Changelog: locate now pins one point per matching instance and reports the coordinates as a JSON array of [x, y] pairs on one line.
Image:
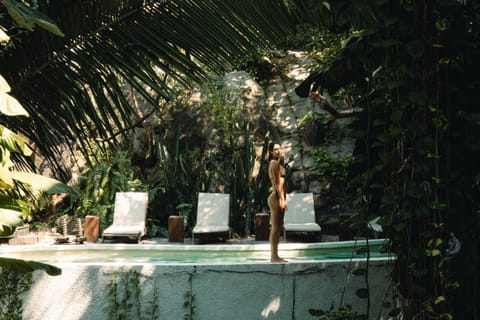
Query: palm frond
[[71, 86]]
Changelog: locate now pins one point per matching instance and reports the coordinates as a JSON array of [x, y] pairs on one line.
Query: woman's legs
[[276, 224]]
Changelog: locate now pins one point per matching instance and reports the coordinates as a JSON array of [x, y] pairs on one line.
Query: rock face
[[273, 106], [268, 106]]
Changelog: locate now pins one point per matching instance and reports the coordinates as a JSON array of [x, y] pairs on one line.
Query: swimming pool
[[219, 281], [193, 254]]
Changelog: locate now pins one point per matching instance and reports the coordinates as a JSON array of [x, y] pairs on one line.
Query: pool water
[[194, 254]]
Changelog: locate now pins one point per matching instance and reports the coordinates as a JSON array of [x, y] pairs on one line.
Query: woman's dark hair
[[271, 144]]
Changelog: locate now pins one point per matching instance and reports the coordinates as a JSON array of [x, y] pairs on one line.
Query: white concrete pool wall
[[219, 291]]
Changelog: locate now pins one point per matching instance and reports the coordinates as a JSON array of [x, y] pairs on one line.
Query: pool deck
[[47, 241], [47, 238]]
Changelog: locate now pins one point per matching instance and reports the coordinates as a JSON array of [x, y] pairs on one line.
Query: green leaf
[[42, 183], [15, 12], [396, 115], [324, 165], [439, 299], [395, 131], [378, 122], [433, 253], [435, 242], [46, 23], [446, 316], [452, 285], [13, 142], [27, 17], [25, 266]]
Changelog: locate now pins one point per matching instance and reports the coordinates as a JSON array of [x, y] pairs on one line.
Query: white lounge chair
[[129, 216], [300, 216], [213, 214]]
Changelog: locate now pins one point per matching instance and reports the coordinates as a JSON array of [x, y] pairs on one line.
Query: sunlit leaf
[[42, 183], [46, 23], [446, 316], [3, 36], [433, 253], [8, 220], [13, 142], [10, 106], [439, 299], [4, 86], [6, 181]]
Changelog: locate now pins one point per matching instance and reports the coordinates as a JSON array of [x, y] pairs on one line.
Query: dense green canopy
[[148, 45]]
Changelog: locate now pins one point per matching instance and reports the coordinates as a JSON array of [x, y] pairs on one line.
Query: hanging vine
[[409, 67]]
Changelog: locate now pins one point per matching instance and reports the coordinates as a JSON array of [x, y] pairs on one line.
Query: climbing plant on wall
[[409, 66]]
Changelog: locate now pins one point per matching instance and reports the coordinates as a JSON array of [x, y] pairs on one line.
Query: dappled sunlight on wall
[[272, 308], [74, 290]]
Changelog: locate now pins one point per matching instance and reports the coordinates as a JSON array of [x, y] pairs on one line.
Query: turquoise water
[[194, 254]]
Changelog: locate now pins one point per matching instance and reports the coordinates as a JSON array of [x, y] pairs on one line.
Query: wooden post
[[175, 229], [262, 226], [92, 228]]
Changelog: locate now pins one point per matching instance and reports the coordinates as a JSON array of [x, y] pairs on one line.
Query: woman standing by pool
[[277, 201]]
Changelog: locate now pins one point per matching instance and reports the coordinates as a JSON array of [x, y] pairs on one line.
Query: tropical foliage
[[409, 65], [15, 185], [72, 85]]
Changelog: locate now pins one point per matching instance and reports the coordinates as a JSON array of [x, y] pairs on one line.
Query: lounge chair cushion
[[129, 215], [212, 213], [300, 215]]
